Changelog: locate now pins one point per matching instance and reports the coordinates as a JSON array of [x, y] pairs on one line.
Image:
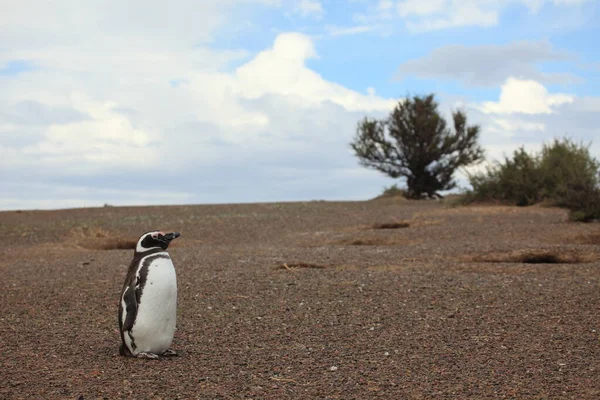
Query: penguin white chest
[[155, 322]]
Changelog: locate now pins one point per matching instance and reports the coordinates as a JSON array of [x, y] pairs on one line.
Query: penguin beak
[[166, 239], [171, 236]]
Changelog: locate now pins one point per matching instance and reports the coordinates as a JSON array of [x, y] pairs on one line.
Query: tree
[[415, 143]]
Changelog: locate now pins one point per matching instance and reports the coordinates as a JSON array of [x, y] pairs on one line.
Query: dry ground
[[309, 301]]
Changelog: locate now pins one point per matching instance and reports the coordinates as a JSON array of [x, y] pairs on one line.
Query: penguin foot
[[170, 353], [150, 356]]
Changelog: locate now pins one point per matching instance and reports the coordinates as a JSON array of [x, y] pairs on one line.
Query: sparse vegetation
[[583, 201], [517, 180], [590, 238], [563, 174], [393, 191], [536, 256], [391, 225], [290, 266], [376, 242], [367, 242], [95, 238], [415, 143]]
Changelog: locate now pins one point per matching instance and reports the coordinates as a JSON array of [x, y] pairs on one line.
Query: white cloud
[[527, 114], [420, 7], [525, 97], [384, 5], [126, 106], [511, 126], [489, 65], [589, 104], [37, 24], [570, 2], [349, 30], [282, 70], [429, 15], [309, 7], [105, 141], [441, 14]]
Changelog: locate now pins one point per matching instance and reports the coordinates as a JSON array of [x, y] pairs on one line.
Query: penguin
[[148, 304]]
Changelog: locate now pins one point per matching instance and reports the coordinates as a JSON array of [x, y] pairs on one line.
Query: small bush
[[584, 203], [566, 168], [563, 173], [393, 191], [518, 180]]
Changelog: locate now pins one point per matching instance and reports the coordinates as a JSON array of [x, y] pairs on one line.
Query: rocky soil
[[384, 299]]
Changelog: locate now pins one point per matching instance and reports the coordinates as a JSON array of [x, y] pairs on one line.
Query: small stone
[[333, 368]]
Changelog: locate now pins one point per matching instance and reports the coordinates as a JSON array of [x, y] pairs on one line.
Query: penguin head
[[155, 240]]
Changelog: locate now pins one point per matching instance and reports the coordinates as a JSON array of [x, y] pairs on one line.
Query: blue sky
[[146, 102]]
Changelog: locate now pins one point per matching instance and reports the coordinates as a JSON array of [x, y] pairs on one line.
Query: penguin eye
[[155, 235]]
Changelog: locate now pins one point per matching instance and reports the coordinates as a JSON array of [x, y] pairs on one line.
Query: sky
[[235, 101]]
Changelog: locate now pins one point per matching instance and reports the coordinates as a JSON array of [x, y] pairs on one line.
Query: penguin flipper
[[127, 314], [131, 306]]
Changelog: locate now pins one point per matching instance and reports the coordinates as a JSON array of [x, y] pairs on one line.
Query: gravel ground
[[309, 301]]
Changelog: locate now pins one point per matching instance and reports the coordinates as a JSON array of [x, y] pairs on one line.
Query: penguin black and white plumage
[[148, 305]]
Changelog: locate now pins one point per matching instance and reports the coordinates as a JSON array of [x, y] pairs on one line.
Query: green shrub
[[583, 200], [517, 180], [392, 191], [567, 167], [563, 173]]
